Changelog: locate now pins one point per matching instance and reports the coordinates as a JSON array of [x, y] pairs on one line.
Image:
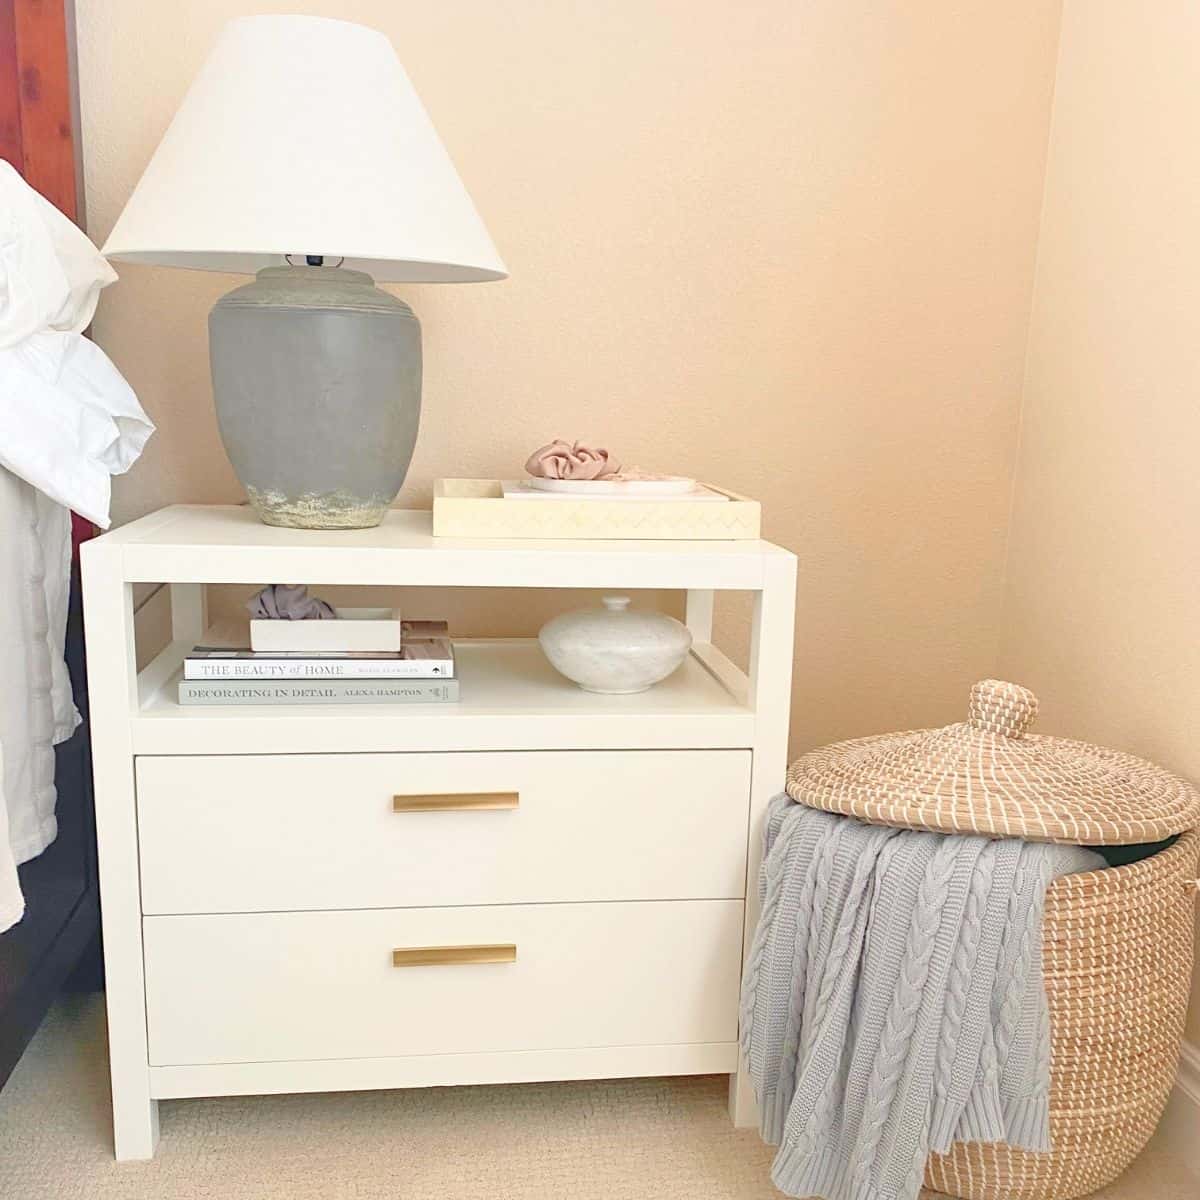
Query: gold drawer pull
[[457, 802], [453, 956]]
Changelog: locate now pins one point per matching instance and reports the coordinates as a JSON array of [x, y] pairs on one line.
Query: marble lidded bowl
[[615, 650]]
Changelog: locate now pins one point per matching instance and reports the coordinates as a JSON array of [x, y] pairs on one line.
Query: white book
[[432, 659], [318, 691]]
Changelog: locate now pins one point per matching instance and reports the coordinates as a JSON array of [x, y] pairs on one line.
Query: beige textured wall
[[1101, 612], [787, 247]]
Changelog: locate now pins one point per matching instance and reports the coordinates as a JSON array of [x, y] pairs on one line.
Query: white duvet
[[68, 422]]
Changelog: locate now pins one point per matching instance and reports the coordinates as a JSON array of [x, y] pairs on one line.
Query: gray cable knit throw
[[893, 1002]]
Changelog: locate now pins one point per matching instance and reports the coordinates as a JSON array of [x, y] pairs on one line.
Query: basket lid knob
[[1002, 708]]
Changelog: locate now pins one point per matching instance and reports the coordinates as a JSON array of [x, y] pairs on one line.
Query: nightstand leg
[[743, 1108], [771, 694], [699, 618], [112, 691], [188, 612], [135, 1127]]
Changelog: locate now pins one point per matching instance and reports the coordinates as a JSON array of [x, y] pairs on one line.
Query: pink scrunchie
[[561, 460]]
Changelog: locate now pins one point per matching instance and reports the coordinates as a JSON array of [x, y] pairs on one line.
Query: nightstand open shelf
[[262, 866], [511, 697]]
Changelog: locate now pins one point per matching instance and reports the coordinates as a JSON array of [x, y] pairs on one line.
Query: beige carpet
[[629, 1140]]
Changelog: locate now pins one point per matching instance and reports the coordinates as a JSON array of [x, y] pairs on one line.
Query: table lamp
[[302, 154]]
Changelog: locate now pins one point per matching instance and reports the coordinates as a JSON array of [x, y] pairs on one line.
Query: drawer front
[[255, 987], [258, 833]]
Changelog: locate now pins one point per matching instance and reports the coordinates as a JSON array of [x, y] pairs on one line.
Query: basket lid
[[988, 775]]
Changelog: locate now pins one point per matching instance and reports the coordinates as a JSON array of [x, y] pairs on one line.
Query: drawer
[[256, 987], [255, 833]]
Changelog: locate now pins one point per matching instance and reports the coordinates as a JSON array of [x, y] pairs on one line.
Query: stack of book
[[421, 671]]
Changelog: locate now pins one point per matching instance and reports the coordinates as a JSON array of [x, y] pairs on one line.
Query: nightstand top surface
[[228, 543]]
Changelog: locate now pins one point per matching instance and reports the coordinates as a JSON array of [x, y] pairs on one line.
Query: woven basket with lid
[[1117, 944]]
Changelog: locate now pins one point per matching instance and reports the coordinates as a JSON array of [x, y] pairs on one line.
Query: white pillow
[[68, 420], [50, 273]]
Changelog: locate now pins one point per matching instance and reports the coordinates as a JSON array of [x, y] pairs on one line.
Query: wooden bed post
[[39, 99]]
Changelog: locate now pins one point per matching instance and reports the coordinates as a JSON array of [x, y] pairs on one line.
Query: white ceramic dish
[[520, 489], [615, 650], [355, 629], [667, 486]]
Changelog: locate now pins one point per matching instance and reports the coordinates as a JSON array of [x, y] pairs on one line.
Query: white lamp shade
[[303, 135]]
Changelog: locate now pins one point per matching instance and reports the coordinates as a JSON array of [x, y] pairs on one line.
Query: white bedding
[[36, 710], [68, 422]]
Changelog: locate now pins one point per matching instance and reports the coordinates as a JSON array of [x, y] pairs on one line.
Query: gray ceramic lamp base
[[317, 385]]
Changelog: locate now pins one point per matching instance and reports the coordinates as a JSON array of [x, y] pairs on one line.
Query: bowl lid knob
[[1000, 707]]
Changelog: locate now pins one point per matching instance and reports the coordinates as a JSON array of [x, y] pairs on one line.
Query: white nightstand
[[259, 866]]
